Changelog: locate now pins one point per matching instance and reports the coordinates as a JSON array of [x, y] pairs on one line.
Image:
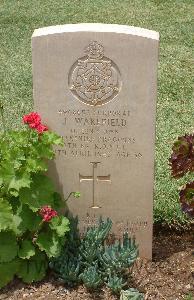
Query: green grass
[[189, 297], [172, 18]]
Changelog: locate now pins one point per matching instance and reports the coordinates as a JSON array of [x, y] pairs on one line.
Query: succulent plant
[[91, 261], [94, 240], [131, 294], [118, 256], [115, 283], [68, 269], [91, 277]]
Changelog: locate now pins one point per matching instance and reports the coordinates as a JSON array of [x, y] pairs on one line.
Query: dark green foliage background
[[171, 18]]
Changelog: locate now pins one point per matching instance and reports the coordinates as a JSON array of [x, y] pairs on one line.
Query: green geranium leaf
[[50, 243], [58, 203], [18, 226], [26, 250], [45, 151], [51, 138], [15, 154], [6, 172], [7, 271], [6, 214], [39, 194], [19, 181], [36, 165], [60, 224], [15, 204], [13, 179], [76, 194], [30, 220], [14, 193], [8, 246], [33, 269]]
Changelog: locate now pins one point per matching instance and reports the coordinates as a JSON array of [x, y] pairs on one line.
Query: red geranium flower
[[40, 128], [47, 213], [33, 120]]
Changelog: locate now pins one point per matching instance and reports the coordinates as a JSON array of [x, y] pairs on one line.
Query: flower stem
[[2, 116], [68, 197]]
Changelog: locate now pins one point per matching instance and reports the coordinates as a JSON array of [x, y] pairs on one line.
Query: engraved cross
[[94, 178]]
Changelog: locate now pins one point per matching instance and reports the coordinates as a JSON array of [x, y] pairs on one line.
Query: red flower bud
[[47, 213]]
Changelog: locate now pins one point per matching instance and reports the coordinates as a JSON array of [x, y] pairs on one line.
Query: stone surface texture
[[96, 85]]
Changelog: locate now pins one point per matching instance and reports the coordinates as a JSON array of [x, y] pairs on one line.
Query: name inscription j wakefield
[[95, 85]]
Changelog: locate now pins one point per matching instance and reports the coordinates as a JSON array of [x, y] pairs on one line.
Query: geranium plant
[[32, 229], [182, 162]]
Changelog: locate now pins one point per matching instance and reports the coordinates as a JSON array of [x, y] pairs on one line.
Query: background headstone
[[96, 84]]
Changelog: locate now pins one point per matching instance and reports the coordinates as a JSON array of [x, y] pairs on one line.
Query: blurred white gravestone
[[96, 85]]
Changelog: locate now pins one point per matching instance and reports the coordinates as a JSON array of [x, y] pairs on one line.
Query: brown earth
[[170, 276]]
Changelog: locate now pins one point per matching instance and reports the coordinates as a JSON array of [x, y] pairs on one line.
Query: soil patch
[[170, 276]]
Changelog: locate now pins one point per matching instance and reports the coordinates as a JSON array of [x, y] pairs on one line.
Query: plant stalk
[[2, 117]]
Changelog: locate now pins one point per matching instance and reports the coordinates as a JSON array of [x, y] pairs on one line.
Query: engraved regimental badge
[[94, 79]]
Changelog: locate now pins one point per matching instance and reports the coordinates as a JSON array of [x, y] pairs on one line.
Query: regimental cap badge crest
[[94, 51], [94, 79]]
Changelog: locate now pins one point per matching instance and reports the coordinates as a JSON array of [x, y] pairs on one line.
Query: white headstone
[[96, 85]]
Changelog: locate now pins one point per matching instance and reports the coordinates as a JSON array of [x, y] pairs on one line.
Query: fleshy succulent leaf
[[91, 278], [131, 294], [99, 263], [115, 283], [68, 269]]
